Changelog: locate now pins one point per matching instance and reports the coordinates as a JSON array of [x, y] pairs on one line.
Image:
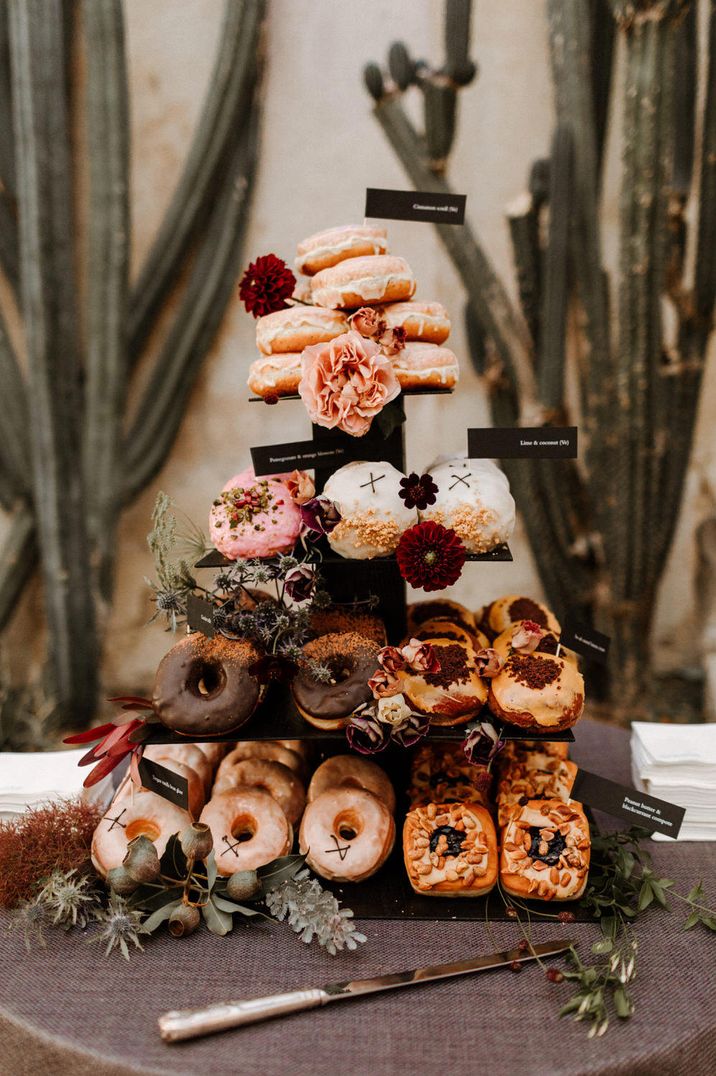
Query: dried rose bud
[[121, 882], [515, 966], [141, 861], [196, 841], [184, 920], [244, 885], [554, 975]]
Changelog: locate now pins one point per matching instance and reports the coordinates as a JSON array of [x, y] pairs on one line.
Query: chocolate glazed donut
[[352, 660], [203, 686]]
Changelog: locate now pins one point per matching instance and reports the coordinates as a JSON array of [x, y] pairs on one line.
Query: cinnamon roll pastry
[[545, 851]]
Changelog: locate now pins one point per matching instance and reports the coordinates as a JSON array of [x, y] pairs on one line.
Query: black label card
[[200, 615], [522, 442], [213, 559], [627, 803], [587, 641], [166, 783], [425, 206], [303, 455]]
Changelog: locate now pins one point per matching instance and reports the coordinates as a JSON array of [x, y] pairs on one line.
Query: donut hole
[[347, 825], [243, 828], [340, 670], [142, 827], [206, 680]]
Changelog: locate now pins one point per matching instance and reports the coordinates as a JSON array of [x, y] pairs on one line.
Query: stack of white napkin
[[32, 778], [677, 763]]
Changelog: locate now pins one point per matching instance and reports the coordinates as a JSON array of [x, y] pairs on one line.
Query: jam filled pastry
[[503, 612], [450, 850], [551, 778], [524, 750], [537, 691], [545, 851], [440, 773], [453, 694]]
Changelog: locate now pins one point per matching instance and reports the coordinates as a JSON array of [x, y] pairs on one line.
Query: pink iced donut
[[272, 777], [334, 245], [422, 365], [249, 829], [381, 278], [347, 834], [135, 814], [254, 517], [349, 770], [428, 322], [275, 375], [298, 326]]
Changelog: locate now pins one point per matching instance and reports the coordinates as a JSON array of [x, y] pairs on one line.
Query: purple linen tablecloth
[[66, 1009]]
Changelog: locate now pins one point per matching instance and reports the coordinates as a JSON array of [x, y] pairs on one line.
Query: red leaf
[[91, 756], [89, 735], [146, 703], [101, 770]]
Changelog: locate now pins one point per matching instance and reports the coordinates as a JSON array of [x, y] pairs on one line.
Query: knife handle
[[182, 1024]]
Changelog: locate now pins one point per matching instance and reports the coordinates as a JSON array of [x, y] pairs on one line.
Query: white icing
[[369, 288], [358, 498], [476, 486], [378, 246], [443, 374]]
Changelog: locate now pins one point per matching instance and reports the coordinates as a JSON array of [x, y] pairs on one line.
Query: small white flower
[[394, 711]]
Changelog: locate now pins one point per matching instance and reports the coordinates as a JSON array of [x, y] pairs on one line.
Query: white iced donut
[[475, 501], [373, 516], [275, 375], [381, 278], [429, 322], [272, 777], [135, 814], [341, 770], [346, 834], [249, 829], [334, 245], [298, 326], [424, 365]]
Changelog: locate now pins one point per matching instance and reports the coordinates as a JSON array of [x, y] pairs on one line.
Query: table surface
[[67, 1009]]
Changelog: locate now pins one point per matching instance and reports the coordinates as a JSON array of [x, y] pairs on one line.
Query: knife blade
[[181, 1024]]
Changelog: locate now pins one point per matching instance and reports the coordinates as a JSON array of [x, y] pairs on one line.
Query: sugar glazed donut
[[254, 517], [275, 375], [350, 660], [454, 694], [450, 850], [272, 750], [189, 754], [373, 517], [474, 500], [203, 686], [423, 365], [135, 814], [334, 245], [363, 281], [346, 834], [349, 770], [537, 691], [298, 326], [428, 322], [248, 827], [273, 777], [546, 851]]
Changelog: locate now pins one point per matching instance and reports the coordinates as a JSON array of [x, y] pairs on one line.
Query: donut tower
[[268, 769]]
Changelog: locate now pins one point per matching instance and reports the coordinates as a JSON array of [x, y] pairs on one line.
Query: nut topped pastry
[[543, 778], [441, 773], [545, 851], [450, 850]]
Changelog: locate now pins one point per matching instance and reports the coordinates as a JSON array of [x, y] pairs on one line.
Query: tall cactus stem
[[553, 335]]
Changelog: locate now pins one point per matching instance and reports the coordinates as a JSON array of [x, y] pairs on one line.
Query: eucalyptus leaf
[[161, 915], [211, 870], [149, 900], [218, 922], [280, 870], [173, 862], [571, 1006], [240, 909]]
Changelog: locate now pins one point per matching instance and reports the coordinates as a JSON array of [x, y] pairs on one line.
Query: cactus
[[600, 529], [68, 414]]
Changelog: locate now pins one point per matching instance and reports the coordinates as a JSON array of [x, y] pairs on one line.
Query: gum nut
[[141, 861], [243, 885], [121, 882], [184, 920], [196, 841]]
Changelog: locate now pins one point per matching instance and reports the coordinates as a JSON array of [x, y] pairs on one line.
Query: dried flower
[[319, 516], [368, 322], [394, 711], [430, 556], [31, 918], [366, 734], [482, 743], [413, 729], [526, 636], [392, 340], [300, 582], [391, 659], [418, 491], [266, 285], [488, 662], [301, 487], [312, 912], [69, 898], [120, 927], [115, 742], [420, 657], [384, 683]]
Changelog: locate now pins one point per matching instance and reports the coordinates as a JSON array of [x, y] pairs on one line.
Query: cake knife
[[182, 1024]]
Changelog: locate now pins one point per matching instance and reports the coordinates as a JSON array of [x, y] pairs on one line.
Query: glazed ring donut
[[442, 608], [334, 245], [537, 691], [421, 365], [275, 375], [356, 282], [545, 851], [272, 777], [296, 327], [454, 694], [203, 686], [189, 754], [429, 322], [500, 614], [352, 661], [213, 752], [135, 814], [249, 829], [196, 790], [346, 834], [271, 750], [355, 772], [450, 850]]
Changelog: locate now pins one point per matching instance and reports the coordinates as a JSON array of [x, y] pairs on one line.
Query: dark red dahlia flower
[[418, 491], [430, 556], [266, 285]]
